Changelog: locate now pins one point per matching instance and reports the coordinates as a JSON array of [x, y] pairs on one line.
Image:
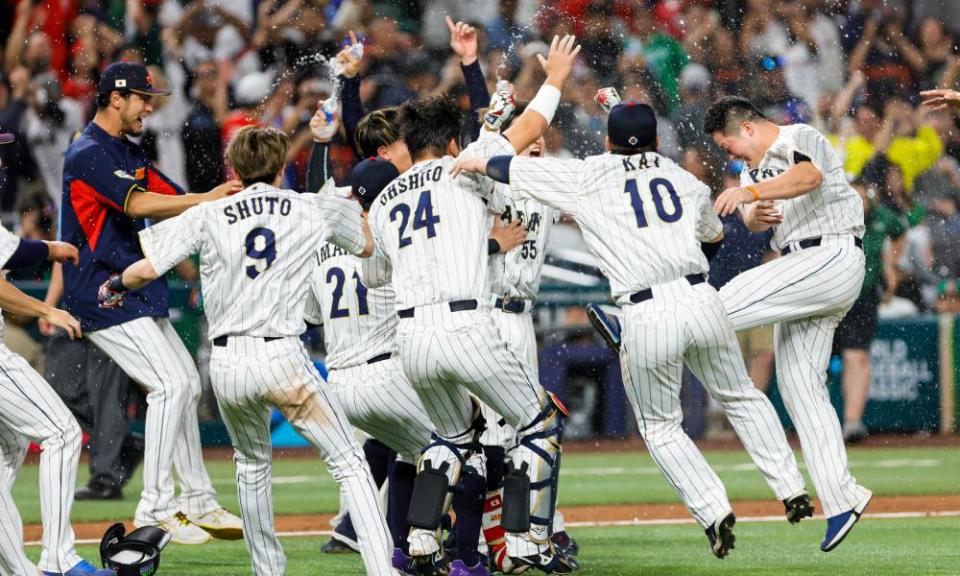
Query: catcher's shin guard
[[530, 485]]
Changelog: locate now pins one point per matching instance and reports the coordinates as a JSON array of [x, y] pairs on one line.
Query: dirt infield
[[600, 514]]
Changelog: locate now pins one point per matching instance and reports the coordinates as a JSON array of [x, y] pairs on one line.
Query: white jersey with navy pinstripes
[[257, 251], [832, 208], [517, 273], [434, 229], [642, 216], [358, 323], [8, 245]]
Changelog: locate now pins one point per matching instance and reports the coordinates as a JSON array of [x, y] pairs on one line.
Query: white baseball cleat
[[220, 524], [181, 530]]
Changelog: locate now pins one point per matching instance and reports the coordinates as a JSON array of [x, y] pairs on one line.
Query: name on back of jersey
[[412, 180], [256, 206], [641, 162], [758, 174], [328, 251], [529, 219]]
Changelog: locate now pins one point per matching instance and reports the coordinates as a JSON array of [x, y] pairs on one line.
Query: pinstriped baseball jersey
[[832, 208], [517, 273], [428, 224], [8, 245], [642, 216], [359, 323], [257, 250]]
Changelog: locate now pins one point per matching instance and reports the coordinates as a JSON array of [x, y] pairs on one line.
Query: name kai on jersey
[[413, 181], [243, 209]]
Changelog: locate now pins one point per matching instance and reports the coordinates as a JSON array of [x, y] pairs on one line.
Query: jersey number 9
[[656, 185], [260, 245]]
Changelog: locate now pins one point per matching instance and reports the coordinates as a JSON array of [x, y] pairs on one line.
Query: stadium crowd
[[851, 68]]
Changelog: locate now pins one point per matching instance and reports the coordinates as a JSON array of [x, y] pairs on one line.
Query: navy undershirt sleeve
[[498, 168], [28, 253]]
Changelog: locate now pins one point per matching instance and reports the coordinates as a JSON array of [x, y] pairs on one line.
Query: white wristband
[[546, 102]]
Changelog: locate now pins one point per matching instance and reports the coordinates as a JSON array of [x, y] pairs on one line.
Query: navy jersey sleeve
[[93, 169]]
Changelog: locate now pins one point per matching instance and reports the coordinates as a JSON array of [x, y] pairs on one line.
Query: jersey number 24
[[656, 185], [423, 217]]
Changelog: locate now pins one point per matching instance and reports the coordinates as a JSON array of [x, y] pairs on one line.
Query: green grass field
[[880, 546]]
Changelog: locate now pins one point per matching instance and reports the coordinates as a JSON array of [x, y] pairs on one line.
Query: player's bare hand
[[766, 212], [63, 252], [46, 328], [350, 57], [941, 99], [463, 41], [509, 236], [320, 129], [228, 188], [60, 319], [730, 199], [472, 164], [559, 62]]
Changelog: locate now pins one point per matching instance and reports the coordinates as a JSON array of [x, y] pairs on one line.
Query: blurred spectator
[[883, 241], [883, 52], [695, 98], [48, 125], [772, 95], [15, 161], [252, 91], [661, 53], [202, 129]]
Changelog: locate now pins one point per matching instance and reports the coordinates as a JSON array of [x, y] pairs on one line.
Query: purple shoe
[[458, 568], [402, 562]]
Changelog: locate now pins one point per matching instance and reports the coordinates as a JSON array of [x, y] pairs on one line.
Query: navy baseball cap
[[6, 138], [370, 177], [632, 124], [129, 76]]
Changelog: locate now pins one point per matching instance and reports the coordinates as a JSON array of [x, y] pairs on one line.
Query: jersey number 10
[[655, 186]]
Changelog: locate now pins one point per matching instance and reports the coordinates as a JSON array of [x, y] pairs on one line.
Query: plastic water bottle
[[330, 107]]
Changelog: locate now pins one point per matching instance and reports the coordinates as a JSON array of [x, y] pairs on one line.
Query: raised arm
[[350, 58], [464, 43], [539, 113], [319, 167]]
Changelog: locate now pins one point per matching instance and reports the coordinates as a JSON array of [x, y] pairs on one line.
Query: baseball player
[[378, 134], [360, 339], [644, 218], [31, 411], [431, 230], [109, 188], [795, 184], [514, 284], [256, 251]]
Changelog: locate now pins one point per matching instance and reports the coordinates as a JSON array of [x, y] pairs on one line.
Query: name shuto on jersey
[[243, 209]]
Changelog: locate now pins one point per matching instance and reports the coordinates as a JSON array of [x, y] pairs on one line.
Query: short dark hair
[[376, 129], [428, 125], [103, 98], [730, 110]]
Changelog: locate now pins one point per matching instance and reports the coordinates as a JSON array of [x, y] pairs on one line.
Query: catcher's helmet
[[136, 555]]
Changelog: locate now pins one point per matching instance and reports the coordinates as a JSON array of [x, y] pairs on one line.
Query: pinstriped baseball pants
[[378, 399], [249, 376], [805, 294], [516, 330], [686, 324], [31, 411], [150, 351]]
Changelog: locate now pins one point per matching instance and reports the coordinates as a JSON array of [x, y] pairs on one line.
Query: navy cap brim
[[6, 138], [152, 92]]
